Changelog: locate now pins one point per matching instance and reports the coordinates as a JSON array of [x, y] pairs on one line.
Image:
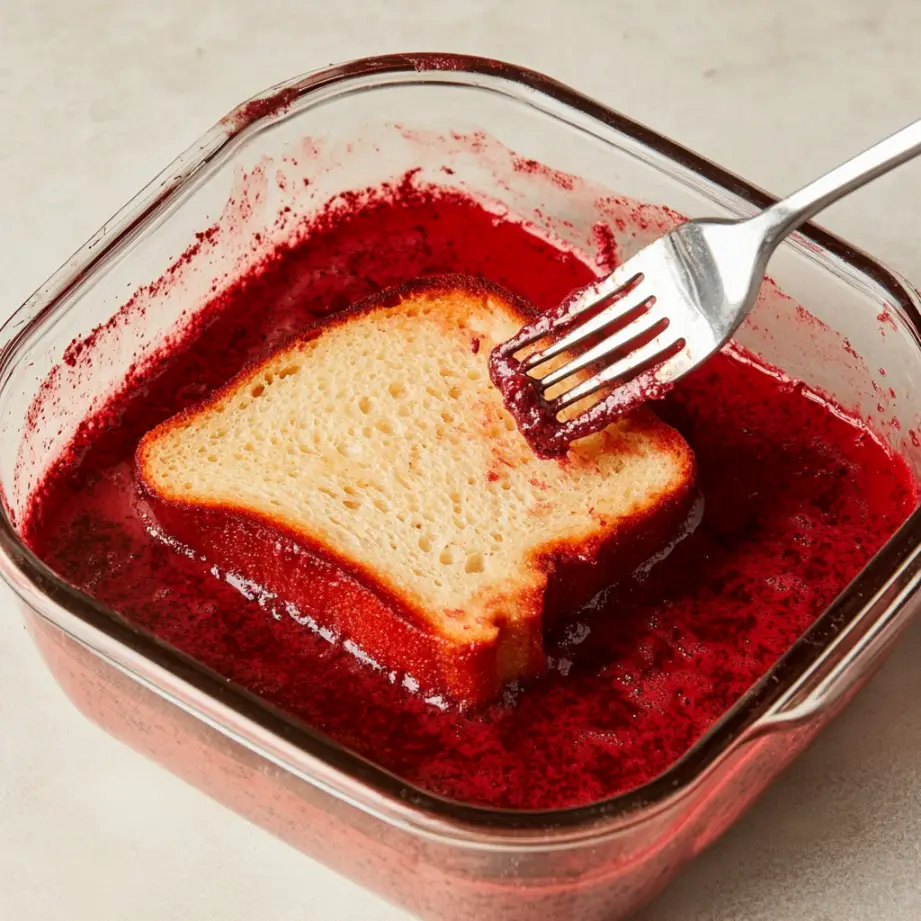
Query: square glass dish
[[456, 120]]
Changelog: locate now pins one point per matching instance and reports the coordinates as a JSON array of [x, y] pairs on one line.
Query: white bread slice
[[368, 474]]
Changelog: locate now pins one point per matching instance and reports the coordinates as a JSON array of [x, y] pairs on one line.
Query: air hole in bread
[[474, 563]]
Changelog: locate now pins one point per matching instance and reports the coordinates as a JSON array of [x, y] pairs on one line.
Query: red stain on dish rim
[[636, 218], [797, 496], [565, 181], [804, 315], [262, 108], [424, 62], [885, 319]]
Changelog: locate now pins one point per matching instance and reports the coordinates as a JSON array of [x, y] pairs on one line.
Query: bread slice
[[368, 476]]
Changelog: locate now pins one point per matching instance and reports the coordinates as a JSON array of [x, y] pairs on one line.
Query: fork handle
[[789, 213]]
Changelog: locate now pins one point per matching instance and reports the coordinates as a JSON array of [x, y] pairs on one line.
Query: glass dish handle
[[855, 653]]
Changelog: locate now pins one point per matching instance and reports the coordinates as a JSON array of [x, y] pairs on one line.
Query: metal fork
[[677, 301]]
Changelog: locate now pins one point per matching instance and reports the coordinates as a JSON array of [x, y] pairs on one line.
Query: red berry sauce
[[796, 500], [535, 414]]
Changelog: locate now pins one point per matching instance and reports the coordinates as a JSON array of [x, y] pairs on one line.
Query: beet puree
[[797, 499], [534, 414]]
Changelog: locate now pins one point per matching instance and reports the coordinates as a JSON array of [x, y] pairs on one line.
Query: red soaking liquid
[[796, 500]]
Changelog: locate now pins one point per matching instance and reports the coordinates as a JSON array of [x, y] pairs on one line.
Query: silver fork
[[676, 302]]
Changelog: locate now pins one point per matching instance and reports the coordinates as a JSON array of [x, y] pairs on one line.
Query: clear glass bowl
[[354, 126]]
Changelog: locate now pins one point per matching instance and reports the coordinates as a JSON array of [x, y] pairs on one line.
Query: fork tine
[[586, 300], [607, 317], [622, 280], [667, 340], [643, 324]]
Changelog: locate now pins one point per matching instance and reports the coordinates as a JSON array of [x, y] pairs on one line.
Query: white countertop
[[97, 95]]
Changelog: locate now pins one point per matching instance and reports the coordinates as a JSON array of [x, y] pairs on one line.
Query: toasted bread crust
[[384, 618]]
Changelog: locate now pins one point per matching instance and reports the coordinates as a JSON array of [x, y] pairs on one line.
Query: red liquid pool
[[796, 500]]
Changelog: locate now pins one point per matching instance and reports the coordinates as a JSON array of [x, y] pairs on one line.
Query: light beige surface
[[97, 95]]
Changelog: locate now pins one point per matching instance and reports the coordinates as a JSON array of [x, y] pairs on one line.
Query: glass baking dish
[[485, 127]]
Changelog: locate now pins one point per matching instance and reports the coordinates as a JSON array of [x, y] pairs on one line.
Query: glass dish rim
[[32, 580]]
